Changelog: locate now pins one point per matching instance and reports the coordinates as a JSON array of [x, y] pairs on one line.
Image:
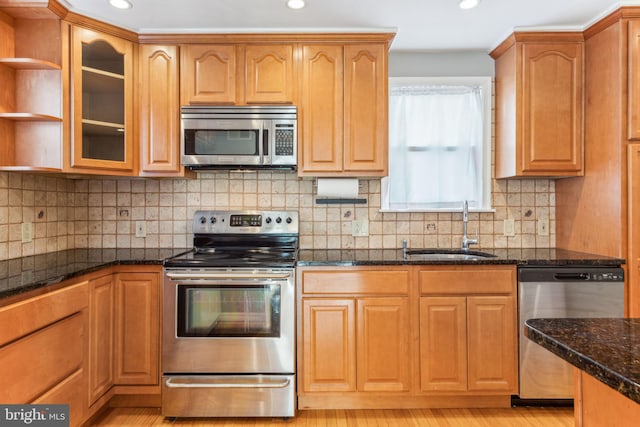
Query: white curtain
[[435, 146]]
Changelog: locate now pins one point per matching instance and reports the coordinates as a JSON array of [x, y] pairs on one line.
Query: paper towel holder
[[338, 200]]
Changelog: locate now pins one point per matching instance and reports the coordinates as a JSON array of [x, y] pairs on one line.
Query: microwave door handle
[[261, 135], [265, 143]]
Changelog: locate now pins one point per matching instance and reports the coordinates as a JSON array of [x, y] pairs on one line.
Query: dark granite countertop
[[520, 257], [20, 275], [607, 349]]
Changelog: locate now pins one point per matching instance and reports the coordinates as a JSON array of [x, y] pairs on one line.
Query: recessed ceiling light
[[121, 4], [468, 4], [295, 4]]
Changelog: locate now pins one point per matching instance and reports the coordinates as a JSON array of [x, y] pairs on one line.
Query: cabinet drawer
[[69, 392], [35, 313], [37, 362], [466, 280], [393, 282]]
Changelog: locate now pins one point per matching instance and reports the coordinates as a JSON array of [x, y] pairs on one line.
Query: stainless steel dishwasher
[[561, 292]]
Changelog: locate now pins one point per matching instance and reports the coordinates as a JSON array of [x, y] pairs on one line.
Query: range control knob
[[213, 220], [278, 220], [268, 220], [203, 220], [289, 220]]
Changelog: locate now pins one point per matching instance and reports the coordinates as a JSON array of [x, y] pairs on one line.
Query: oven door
[[220, 142], [228, 321]]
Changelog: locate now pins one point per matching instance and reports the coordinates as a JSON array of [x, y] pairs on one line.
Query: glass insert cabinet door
[[102, 101], [228, 311]]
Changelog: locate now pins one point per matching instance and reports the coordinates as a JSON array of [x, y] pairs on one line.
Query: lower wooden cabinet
[[598, 405], [137, 329], [382, 336], [355, 331], [367, 338], [468, 329], [467, 343], [406, 336], [124, 342], [42, 350], [443, 344], [101, 336], [329, 327]]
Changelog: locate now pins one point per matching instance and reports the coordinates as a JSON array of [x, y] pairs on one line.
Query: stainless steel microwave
[[244, 137]]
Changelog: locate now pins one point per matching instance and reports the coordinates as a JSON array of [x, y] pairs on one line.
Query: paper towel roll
[[339, 188]]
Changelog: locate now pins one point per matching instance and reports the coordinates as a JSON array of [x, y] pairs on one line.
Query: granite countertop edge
[[22, 275], [593, 365], [518, 257], [57, 267]]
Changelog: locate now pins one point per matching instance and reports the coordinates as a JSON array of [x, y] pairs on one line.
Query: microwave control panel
[[284, 139]]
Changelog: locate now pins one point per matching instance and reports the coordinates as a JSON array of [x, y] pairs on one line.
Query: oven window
[[221, 311], [226, 142]]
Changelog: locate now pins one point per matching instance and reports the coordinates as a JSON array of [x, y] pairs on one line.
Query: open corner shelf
[[30, 117], [29, 64], [35, 169]]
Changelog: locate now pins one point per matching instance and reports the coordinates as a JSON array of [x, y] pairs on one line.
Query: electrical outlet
[[509, 228], [543, 226], [141, 229], [359, 228], [27, 232]]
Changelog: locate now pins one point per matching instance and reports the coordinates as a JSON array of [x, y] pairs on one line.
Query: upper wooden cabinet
[[31, 95], [159, 110], [237, 74], [268, 74], [102, 97], [634, 79], [539, 105], [343, 110]]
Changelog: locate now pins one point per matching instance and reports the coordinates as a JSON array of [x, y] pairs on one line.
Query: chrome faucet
[[466, 241]]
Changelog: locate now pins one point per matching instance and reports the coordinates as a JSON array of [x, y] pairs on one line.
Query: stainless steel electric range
[[229, 319]]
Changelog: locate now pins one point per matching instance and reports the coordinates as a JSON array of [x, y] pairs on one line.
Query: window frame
[[486, 82]]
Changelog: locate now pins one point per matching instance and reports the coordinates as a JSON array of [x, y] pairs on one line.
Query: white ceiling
[[421, 25]]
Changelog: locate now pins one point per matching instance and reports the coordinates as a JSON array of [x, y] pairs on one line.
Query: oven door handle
[[209, 275], [207, 384]]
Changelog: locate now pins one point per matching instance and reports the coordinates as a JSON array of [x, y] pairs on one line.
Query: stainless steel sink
[[446, 254]]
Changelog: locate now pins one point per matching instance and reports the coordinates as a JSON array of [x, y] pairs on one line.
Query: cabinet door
[[321, 113], [492, 341], [101, 336], [443, 344], [208, 74], [634, 80], [383, 356], [137, 329], [633, 258], [102, 93], [365, 109], [159, 109], [552, 104], [328, 345], [268, 74]]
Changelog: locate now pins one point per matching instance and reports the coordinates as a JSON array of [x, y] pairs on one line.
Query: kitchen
[[104, 212]]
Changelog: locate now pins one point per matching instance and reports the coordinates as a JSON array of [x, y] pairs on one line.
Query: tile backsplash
[[97, 212]]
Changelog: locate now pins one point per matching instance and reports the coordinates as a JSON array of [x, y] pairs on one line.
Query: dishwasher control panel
[[570, 274]]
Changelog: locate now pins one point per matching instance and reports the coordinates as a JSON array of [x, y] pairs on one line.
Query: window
[[439, 144]]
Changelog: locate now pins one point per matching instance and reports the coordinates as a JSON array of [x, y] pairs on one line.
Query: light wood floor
[[511, 417]]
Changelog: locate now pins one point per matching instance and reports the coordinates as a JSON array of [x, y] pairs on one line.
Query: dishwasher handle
[[572, 276]]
